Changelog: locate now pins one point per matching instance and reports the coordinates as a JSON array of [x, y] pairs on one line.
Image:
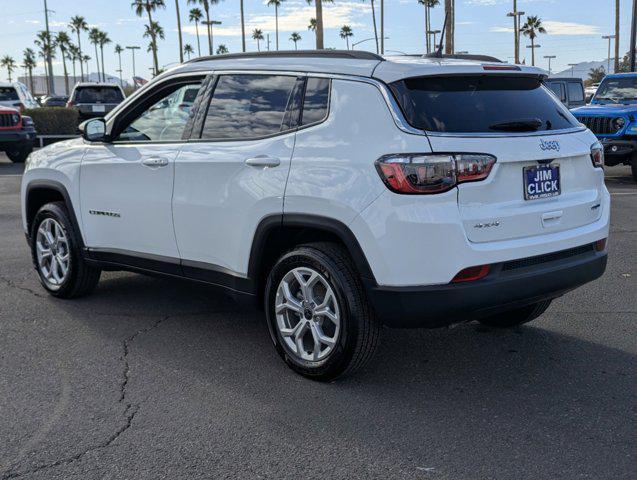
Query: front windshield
[[617, 90]]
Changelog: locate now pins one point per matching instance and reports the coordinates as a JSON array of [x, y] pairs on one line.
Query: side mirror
[[93, 130]]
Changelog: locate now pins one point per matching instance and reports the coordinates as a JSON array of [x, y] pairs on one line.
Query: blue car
[[612, 117]]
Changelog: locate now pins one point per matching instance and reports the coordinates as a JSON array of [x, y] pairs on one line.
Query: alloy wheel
[[53, 253]]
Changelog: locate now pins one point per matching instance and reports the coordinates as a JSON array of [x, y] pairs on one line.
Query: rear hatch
[[543, 180], [97, 100]]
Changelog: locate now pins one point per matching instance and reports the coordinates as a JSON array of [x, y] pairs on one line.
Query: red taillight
[[600, 245], [472, 273], [597, 155], [423, 173]]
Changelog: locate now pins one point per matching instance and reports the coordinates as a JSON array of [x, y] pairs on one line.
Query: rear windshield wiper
[[529, 125]]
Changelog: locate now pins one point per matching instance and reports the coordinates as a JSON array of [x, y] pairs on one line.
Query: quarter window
[[248, 106], [316, 100], [166, 118]]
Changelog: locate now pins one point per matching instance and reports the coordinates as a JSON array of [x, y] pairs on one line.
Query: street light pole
[[572, 65], [533, 47], [212, 37], [516, 29], [434, 33], [132, 49], [633, 37], [550, 57], [609, 38]]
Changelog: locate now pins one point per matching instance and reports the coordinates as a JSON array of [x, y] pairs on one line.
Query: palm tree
[[118, 51], [94, 38], [295, 37], [29, 62], [46, 50], [78, 25], [149, 6], [196, 16], [243, 27], [428, 4], [257, 35], [181, 40], [531, 29], [206, 4], [74, 55], [154, 31], [85, 59], [316, 23], [188, 50], [346, 32], [221, 49], [63, 41], [277, 4], [8, 63], [103, 41], [312, 25], [374, 22], [450, 15]]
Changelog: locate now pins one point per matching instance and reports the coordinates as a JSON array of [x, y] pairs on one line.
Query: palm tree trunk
[[66, 74], [198, 40], [74, 77], [153, 41], [97, 61], [121, 80], [448, 29], [533, 51], [79, 47], [31, 79], [616, 36], [258, 45], [103, 68], [375, 28], [209, 31], [276, 19], [319, 24], [181, 41], [347, 42], [243, 28], [427, 46]]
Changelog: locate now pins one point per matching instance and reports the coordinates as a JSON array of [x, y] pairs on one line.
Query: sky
[[574, 27]]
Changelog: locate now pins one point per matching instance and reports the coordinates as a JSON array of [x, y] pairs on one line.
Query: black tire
[[516, 317], [81, 278], [19, 155], [359, 330], [633, 166]]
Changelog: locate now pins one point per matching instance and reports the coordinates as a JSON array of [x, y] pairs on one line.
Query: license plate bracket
[[542, 181]]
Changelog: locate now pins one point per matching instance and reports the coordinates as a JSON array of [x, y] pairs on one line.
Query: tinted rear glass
[[472, 104], [98, 95], [575, 92], [8, 94]]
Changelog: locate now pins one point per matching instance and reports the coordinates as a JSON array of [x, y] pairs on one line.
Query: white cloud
[[295, 18], [33, 22], [569, 28], [501, 29]]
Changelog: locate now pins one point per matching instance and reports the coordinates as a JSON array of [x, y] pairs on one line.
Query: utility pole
[[268, 35], [609, 38], [51, 85], [243, 28], [572, 65], [633, 37], [132, 49], [210, 24], [617, 37], [382, 27], [550, 57], [516, 29]]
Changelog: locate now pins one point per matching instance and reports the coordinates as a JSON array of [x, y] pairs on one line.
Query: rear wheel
[[633, 166], [56, 254], [20, 154], [516, 317], [318, 315]]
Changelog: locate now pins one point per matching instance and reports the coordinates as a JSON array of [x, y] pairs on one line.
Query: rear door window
[[246, 106], [480, 104], [98, 95], [8, 94]]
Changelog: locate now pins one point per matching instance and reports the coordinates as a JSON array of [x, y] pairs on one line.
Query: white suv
[[337, 190]]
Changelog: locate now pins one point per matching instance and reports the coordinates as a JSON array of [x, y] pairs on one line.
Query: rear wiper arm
[[528, 125]]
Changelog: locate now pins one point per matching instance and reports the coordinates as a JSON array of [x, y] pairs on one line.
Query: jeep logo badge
[[550, 145]]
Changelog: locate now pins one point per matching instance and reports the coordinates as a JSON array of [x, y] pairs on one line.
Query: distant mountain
[[581, 69]]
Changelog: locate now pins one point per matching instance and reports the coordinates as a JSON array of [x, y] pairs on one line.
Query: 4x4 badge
[[550, 145]]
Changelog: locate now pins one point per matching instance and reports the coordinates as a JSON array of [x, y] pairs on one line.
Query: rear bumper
[[508, 286]]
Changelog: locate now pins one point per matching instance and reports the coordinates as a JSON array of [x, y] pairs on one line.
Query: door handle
[[263, 161], [155, 161]]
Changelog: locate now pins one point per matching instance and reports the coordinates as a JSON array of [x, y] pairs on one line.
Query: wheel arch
[[277, 234], [41, 192]]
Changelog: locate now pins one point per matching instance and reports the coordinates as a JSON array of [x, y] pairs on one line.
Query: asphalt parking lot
[[151, 378]]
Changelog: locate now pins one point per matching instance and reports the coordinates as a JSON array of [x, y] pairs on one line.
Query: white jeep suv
[[337, 190]]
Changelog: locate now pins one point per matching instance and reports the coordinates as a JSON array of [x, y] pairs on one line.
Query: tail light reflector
[[600, 245], [425, 173], [471, 274]]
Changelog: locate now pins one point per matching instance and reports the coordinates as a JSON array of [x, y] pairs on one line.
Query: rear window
[[98, 95], [575, 92], [8, 94], [480, 104]]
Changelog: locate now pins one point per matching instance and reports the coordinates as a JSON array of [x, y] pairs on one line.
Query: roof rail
[[480, 58], [350, 54]]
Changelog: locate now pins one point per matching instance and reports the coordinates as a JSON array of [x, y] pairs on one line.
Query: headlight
[[618, 123], [27, 122], [632, 129]]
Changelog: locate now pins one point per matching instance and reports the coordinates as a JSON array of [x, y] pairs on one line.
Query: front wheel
[[20, 154], [516, 317], [318, 314]]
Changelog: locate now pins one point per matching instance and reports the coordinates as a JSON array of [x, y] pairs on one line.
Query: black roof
[[351, 54]]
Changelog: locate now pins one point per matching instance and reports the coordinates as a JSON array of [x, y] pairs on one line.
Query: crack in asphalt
[[12, 284], [130, 410]]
